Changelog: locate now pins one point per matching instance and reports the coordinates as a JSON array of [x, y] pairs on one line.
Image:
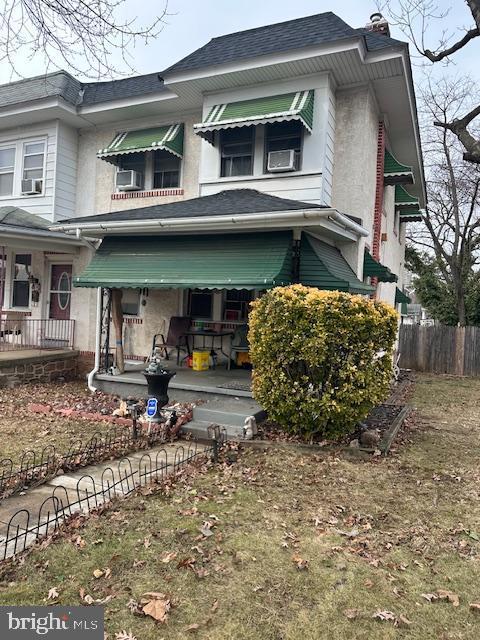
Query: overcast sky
[[191, 24]]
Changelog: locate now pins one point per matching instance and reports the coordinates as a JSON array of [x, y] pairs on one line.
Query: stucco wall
[[96, 178]]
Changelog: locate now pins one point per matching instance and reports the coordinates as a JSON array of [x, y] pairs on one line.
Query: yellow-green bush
[[315, 357]]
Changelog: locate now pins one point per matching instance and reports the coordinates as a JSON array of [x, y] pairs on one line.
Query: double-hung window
[[7, 169], [236, 149], [21, 280], [34, 160], [134, 162], [166, 170], [284, 136]]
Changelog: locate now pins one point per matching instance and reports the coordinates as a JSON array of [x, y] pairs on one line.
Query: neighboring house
[[268, 156]]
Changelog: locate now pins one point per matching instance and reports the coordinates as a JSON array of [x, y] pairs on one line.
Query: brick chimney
[[378, 24]]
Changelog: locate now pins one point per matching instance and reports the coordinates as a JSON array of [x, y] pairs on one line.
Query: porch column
[[117, 317]]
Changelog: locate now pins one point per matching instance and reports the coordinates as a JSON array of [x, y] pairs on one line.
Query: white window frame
[[25, 143], [13, 280], [4, 171], [148, 175], [18, 169]]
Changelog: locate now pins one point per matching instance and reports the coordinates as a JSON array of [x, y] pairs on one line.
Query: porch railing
[[33, 333]]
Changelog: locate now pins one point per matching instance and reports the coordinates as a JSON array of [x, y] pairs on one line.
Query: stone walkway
[[24, 518]]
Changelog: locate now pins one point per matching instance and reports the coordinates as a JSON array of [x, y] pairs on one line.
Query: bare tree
[[452, 221], [88, 36], [414, 17]]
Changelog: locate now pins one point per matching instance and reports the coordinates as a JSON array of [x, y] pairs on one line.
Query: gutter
[[53, 236], [262, 220]]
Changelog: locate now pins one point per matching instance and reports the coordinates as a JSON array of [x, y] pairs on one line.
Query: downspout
[[379, 188], [98, 341]]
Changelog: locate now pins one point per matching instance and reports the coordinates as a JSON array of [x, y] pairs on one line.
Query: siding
[[66, 172]]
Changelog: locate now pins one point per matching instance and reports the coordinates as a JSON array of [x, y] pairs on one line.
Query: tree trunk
[[460, 298], [117, 317]]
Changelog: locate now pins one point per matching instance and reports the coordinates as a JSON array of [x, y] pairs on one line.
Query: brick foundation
[[42, 368]]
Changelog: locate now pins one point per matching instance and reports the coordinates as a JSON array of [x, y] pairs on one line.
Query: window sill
[[152, 193], [22, 196], [262, 176]]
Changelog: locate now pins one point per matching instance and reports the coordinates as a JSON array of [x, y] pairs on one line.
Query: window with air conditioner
[[131, 302], [7, 170], [236, 151], [283, 147], [131, 172], [33, 167]]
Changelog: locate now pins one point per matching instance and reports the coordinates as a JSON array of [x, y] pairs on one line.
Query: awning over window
[[168, 137], [323, 266], [288, 106], [401, 298], [375, 269], [403, 200], [411, 215], [235, 261], [395, 172]]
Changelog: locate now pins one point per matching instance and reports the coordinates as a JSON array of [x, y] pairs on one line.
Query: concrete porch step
[[229, 411], [199, 429]]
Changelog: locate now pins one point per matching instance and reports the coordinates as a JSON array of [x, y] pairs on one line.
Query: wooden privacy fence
[[440, 349]]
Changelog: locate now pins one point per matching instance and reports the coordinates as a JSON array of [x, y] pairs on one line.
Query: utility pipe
[[98, 341]]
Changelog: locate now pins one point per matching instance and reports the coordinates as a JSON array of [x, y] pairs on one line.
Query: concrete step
[[229, 411], [199, 429]]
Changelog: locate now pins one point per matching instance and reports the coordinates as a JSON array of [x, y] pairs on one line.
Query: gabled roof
[[230, 202], [276, 38]]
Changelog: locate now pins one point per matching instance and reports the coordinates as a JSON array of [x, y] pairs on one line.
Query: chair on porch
[[176, 339]]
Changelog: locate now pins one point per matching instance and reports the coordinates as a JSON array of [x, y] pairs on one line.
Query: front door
[[60, 291]]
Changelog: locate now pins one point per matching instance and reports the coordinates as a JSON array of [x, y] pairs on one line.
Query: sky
[[192, 23]]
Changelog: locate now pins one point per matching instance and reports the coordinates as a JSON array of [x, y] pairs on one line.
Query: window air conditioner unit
[[128, 180], [281, 160], [31, 187]]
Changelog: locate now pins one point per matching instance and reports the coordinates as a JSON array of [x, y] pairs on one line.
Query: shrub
[[314, 354]]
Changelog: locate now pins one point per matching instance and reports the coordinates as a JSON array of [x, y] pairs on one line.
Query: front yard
[[291, 545]]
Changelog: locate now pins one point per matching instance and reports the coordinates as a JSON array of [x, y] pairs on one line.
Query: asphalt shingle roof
[[59, 84], [231, 202], [15, 217], [97, 92], [274, 38]]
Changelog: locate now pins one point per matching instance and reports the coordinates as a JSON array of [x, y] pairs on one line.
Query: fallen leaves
[[442, 594], [351, 614], [475, 607], [156, 605], [53, 594], [301, 563], [125, 635], [168, 557], [99, 573], [389, 616]]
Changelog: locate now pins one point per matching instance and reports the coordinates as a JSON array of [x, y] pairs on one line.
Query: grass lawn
[[21, 429], [302, 547]]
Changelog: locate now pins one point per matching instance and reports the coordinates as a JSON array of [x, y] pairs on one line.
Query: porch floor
[[220, 381], [24, 356]]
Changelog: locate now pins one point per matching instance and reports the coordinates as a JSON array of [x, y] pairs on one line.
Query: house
[[285, 153]]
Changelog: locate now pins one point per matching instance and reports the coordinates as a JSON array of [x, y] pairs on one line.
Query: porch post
[[117, 317]]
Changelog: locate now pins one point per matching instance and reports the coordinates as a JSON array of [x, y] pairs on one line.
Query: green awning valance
[[323, 266], [403, 200], [400, 297], [168, 138], [226, 261], [395, 172], [375, 269], [411, 215], [288, 106]]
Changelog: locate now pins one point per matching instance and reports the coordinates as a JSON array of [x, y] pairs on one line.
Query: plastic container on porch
[[200, 360]]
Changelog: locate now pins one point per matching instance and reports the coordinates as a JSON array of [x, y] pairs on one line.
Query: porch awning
[[323, 266], [236, 261], [411, 215], [375, 269], [394, 172], [403, 200], [168, 138], [288, 106], [400, 297]]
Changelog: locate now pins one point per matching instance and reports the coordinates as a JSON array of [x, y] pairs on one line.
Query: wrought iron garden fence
[[26, 527]]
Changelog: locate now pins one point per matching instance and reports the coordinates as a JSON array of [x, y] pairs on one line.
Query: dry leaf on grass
[[351, 614], [125, 635], [156, 605], [389, 616], [168, 557], [475, 607], [442, 594], [52, 594], [301, 563], [192, 628]]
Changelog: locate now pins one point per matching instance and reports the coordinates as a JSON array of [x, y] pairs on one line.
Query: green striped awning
[[403, 200], [288, 106], [375, 269], [224, 261], [411, 215], [168, 137], [400, 297], [395, 172], [323, 266]]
